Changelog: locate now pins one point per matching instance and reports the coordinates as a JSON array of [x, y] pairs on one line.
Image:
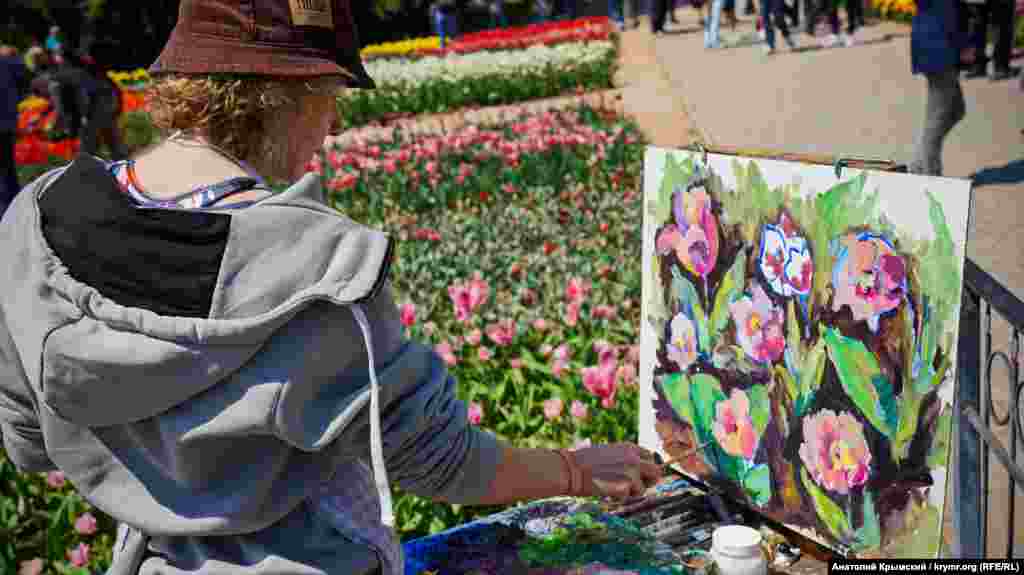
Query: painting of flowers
[[798, 339]]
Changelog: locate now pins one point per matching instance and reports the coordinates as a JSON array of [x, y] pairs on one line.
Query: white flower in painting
[[682, 345], [785, 259]]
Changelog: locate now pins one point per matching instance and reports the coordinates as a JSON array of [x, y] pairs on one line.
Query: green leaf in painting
[[910, 407], [869, 536], [760, 408], [938, 454], [828, 511], [729, 290], [863, 381], [758, 485], [812, 372], [705, 393], [676, 387], [793, 344], [689, 303]]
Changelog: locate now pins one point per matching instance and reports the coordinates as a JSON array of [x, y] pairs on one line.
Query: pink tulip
[[580, 444], [444, 349], [605, 351], [576, 290], [540, 324], [85, 524], [468, 296], [546, 349], [558, 367], [33, 567], [474, 337], [834, 451], [476, 413], [603, 312], [572, 314], [515, 363], [733, 427], [600, 381], [502, 333], [484, 354], [562, 353], [407, 313], [553, 408], [633, 354], [79, 556], [758, 326], [626, 374], [578, 410], [55, 479]]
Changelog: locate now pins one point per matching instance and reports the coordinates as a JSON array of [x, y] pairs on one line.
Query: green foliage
[[831, 515], [863, 381]]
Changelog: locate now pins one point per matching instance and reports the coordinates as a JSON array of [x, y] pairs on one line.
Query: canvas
[[799, 329]]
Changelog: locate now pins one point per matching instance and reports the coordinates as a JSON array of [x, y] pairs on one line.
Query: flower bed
[[440, 84], [547, 33], [537, 318], [895, 9]]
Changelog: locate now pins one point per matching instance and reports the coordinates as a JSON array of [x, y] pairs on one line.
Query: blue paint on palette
[[674, 486]]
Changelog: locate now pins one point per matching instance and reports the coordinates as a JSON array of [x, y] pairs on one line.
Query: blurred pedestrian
[[617, 12], [442, 15], [13, 86], [70, 88], [34, 55], [774, 15], [103, 98], [1000, 13], [830, 8], [935, 43], [54, 44], [658, 15]]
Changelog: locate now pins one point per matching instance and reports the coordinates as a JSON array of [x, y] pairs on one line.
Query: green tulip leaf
[[863, 381], [828, 511], [869, 536], [729, 290], [676, 387], [760, 408], [758, 485]]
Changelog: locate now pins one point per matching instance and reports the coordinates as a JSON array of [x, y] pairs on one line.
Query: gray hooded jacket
[[214, 440]]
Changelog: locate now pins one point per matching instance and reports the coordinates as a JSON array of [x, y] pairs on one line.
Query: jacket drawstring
[[380, 473]]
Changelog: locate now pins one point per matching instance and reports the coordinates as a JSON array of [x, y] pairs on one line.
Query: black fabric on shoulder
[[166, 261]]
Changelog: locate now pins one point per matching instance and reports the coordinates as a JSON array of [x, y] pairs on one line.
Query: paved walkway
[[861, 102]]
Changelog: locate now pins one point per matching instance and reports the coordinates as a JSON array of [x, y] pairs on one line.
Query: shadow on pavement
[[1012, 173]]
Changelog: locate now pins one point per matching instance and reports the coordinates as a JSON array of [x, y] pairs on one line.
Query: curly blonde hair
[[239, 114]]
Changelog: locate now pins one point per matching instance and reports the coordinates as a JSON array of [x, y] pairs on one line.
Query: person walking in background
[[442, 15], [999, 12], [54, 45], [70, 88], [14, 82], [935, 43], [658, 15], [103, 99], [617, 12], [712, 23], [498, 18], [774, 15], [815, 9]]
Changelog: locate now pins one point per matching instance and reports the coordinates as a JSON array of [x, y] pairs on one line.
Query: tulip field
[[518, 259]]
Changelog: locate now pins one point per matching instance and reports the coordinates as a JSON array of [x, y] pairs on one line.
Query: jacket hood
[[256, 310]]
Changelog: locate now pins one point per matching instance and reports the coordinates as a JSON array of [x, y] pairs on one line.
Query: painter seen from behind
[[222, 368]]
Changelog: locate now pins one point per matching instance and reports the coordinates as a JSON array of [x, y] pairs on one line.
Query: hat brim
[[205, 54]]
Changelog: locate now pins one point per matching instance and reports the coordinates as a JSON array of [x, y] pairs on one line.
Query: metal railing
[[979, 426]]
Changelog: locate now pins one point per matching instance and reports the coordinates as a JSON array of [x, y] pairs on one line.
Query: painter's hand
[[618, 470]]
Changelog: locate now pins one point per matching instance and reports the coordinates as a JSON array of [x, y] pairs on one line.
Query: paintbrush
[[697, 502], [690, 452], [651, 503]]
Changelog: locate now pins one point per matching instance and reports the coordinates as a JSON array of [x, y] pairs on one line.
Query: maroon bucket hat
[[282, 38]]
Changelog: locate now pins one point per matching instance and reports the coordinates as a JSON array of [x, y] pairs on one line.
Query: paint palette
[[799, 324]]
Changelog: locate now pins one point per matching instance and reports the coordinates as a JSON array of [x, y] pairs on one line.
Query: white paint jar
[[736, 550]]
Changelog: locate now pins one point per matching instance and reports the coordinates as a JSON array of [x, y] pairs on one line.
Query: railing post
[[968, 490]]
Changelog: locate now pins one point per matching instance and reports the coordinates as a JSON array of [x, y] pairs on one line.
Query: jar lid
[[737, 540]]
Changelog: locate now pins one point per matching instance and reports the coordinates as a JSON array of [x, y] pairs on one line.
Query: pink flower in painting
[[33, 567], [682, 344], [600, 381], [869, 277], [476, 413], [572, 314], [693, 236], [540, 324], [407, 312], [578, 410], [785, 259], [502, 333], [733, 428], [515, 363], [576, 290], [553, 408], [85, 524], [55, 479], [79, 556], [484, 354], [444, 349], [626, 374], [758, 326], [474, 337], [834, 451]]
